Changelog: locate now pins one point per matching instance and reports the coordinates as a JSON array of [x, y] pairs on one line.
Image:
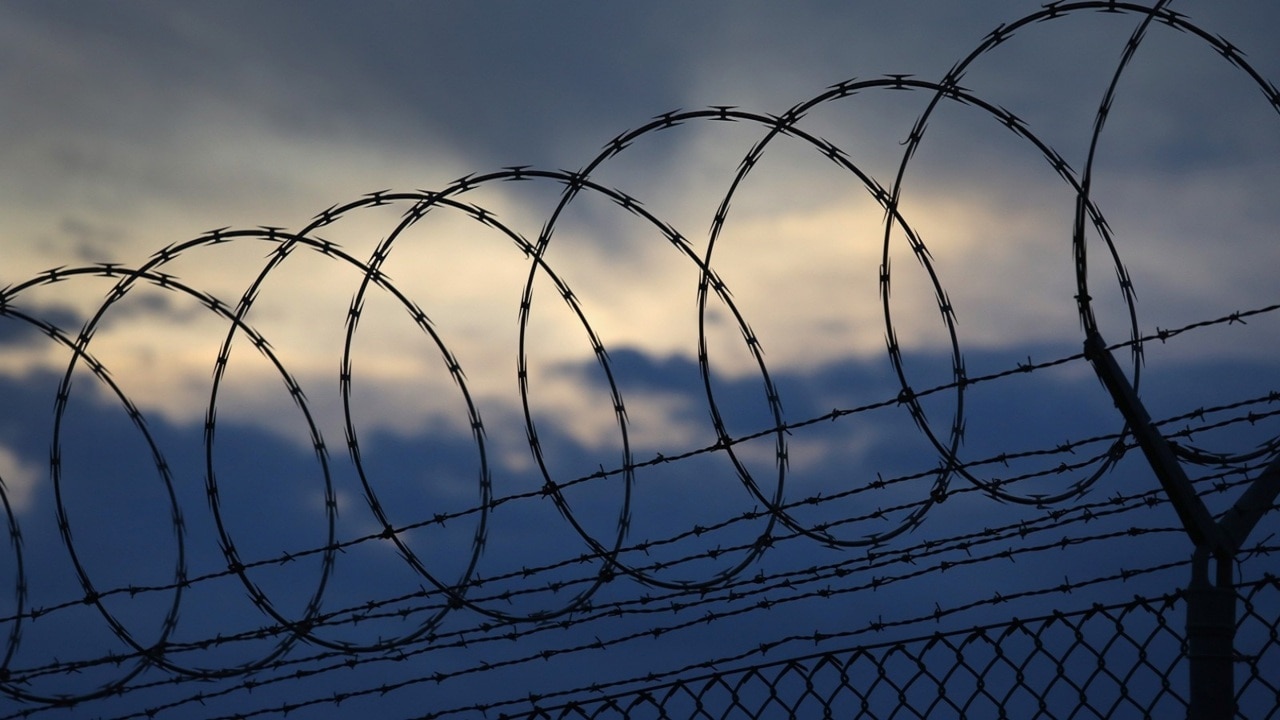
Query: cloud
[[20, 479], [131, 128], [159, 124]]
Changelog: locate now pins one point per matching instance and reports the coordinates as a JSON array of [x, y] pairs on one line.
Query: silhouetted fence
[[1119, 660], [273, 603]]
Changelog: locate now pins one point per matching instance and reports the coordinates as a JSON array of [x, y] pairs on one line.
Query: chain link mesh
[[1120, 660]]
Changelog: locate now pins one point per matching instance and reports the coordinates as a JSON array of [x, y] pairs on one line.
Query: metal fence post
[[1211, 630], [1211, 603]]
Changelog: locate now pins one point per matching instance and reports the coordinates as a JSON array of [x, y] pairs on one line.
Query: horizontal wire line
[[1002, 458]]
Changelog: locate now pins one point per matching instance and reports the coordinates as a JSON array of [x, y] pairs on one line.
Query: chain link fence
[[1119, 660]]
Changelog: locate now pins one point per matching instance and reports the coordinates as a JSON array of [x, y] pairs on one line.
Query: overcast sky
[[126, 128]]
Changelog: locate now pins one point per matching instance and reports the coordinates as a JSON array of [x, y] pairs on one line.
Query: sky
[[128, 129]]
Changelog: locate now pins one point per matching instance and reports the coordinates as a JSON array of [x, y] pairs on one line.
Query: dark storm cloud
[[509, 76], [157, 96], [509, 83]]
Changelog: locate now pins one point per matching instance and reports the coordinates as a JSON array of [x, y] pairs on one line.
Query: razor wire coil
[[612, 555]]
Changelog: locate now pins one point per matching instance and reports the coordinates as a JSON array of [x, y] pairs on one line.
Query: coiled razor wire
[[608, 551]]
